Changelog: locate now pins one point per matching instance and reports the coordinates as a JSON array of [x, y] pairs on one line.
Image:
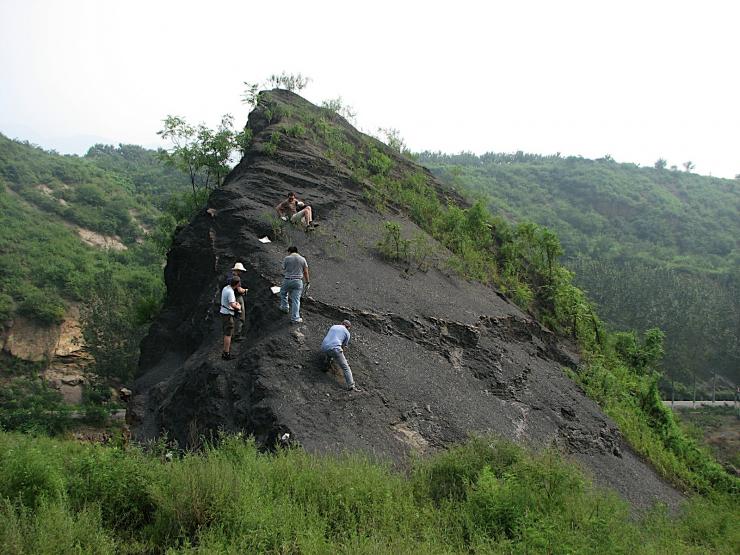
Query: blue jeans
[[294, 288], [337, 355]]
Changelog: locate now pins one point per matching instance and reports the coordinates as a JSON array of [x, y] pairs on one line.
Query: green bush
[[28, 404], [30, 476], [296, 131], [392, 245], [119, 482], [42, 306], [449, 474], [378, 163]]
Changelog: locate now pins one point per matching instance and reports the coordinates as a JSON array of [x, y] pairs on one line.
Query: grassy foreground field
[[485, 496]]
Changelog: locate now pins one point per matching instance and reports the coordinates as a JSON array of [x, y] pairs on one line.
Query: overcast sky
[[636, 80]]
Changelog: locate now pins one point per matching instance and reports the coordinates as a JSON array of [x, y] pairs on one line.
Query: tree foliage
[[113, 320], [652, 248], [44, 264], [202, 153]]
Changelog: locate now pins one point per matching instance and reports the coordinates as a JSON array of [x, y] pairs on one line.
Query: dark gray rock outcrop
[[438, 358]]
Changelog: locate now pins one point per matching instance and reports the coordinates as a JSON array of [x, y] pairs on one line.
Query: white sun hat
[[240, 267]]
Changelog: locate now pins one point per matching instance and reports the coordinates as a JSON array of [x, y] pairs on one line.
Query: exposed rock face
[[438, 358], [60, 345], [29, 340]]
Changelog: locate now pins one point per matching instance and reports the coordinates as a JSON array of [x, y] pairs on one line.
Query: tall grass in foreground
[[485, 496]]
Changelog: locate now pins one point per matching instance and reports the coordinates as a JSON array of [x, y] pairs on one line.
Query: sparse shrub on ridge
[[392, 245]]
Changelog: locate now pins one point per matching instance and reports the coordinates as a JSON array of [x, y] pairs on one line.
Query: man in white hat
[[240, 292]]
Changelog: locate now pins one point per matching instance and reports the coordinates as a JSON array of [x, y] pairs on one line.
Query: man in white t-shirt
[[229, 308]]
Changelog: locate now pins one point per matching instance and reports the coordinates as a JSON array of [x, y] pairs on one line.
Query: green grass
[[486, 496]]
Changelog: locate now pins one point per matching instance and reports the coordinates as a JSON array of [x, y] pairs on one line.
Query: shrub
[[449, 474], [28, 404], [296, 131], [120, 482], [29, 476], [41, 305], [270, 148], [196, 494], [378, 163], [392, 245]]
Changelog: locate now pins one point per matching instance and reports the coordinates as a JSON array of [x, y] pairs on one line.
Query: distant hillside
[[652, 247], [74, 230]]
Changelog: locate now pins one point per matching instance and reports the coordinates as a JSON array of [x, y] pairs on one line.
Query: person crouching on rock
[[296, 211], [336, 338], [229, 308], [240, 293], [295, 272]]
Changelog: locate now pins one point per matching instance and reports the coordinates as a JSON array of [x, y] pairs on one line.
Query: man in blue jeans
[[336, 338], [295, 272]]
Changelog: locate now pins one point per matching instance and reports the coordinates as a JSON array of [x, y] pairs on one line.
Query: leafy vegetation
[[653, 247], [44, 263], [201, 153], [148, 176], [27, 404], [483, 497]]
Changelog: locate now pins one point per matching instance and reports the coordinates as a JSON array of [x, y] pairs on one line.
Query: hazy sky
[[636, 80]]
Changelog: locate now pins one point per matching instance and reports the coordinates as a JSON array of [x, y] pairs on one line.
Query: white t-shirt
[[227, 297]]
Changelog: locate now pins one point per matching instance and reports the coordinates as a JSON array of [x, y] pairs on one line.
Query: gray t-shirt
[[293, 266]]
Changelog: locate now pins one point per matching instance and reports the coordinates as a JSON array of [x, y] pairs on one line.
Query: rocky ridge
[[438, 358]]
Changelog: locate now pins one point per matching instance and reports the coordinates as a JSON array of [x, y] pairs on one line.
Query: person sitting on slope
[[296, 211]]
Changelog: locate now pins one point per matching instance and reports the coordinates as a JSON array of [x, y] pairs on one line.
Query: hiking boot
[[226, 356], [352, 388], [298, 321]]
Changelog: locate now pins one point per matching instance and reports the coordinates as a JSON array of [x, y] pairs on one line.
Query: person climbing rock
[[295, 273], [229, 308], [336, 338], [296, 211], [240, 293]]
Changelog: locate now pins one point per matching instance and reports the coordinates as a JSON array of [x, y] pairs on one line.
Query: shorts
[[227, 324], [298, 216]]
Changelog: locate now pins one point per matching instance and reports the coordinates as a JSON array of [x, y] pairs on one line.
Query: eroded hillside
[[438, 357]]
